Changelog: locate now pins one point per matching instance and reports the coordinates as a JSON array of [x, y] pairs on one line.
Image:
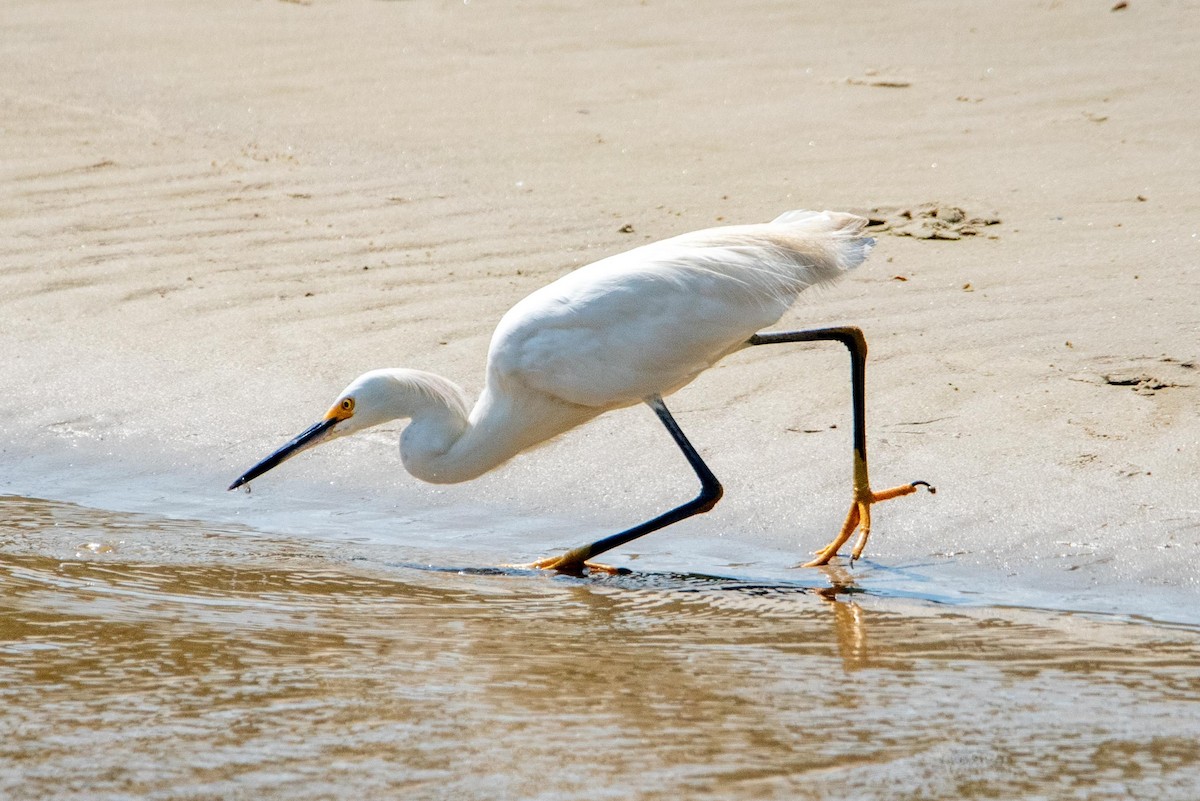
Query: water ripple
[[193, 662]]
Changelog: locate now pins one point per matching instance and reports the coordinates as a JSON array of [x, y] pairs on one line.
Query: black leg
[[856, 343], [710, 492], [860, 509]]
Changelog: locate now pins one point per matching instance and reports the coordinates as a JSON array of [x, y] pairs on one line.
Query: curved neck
[[437, 410], [442, 445]]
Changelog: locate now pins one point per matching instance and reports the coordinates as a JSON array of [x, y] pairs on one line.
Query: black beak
[[310, 436]]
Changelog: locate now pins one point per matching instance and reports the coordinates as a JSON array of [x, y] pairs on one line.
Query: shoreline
[[485, 535], [219, 217]]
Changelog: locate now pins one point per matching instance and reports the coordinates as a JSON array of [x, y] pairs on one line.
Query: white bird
[[627, 329]]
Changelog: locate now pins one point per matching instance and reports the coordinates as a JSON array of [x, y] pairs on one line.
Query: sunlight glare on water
[[150, 658]]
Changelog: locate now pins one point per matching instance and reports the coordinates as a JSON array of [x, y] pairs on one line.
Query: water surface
[[152, 658]]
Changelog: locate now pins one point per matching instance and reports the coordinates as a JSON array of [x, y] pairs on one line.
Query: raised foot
[[859, 517]]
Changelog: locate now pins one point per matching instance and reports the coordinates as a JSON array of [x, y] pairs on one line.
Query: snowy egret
[[628, 329]]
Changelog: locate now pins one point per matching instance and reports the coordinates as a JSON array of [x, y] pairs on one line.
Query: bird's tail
[[841, 232]]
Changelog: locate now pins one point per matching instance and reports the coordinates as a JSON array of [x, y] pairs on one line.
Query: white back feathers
[[616, 332]]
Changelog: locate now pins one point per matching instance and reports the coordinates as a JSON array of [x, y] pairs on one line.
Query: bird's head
[[368, 401]]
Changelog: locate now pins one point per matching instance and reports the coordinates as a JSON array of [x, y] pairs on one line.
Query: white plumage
[[630, 328]]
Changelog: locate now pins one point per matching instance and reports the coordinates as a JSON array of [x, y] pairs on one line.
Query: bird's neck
[[445, 445], [436, 408]]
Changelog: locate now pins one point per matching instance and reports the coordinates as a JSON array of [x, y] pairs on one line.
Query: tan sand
[[216, 214]]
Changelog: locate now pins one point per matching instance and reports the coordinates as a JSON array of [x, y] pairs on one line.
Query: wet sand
[[217, 216]]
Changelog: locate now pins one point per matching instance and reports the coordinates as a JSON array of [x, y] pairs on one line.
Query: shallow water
[[152, 658]]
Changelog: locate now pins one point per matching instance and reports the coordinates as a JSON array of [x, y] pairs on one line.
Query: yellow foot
[[572, 563], [860, 517]]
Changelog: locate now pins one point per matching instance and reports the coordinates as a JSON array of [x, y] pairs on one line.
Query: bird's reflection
[[849, 620], [667, 591]]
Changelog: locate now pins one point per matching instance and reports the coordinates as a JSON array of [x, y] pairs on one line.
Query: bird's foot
[[859, 518], [574, 563]]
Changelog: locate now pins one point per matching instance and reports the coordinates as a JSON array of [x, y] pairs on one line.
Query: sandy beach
[[216, 215]]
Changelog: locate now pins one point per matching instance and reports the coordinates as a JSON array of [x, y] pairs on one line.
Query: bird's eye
[[347, 405]]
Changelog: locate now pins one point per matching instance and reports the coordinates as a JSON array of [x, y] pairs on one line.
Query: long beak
[[310, 437]]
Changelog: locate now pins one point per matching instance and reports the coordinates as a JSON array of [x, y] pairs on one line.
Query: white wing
[[648, 321]]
